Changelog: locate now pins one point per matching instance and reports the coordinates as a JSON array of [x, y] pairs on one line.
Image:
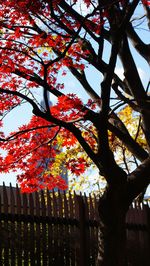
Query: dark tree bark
[[112, 233]]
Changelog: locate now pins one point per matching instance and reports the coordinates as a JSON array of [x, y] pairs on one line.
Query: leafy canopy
[[40, 42]]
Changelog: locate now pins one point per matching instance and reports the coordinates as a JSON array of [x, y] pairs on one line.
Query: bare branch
[[138, 180], [142, 48]]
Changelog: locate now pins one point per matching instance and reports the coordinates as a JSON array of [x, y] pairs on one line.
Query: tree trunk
[[112, 231]]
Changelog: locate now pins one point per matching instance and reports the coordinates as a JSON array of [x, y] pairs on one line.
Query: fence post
[[84, 256]]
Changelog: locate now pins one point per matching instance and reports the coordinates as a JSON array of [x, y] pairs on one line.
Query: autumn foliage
[[38, 40]]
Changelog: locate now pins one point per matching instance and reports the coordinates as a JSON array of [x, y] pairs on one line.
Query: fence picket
[[12, 224], [49, 203], [18, 225], [25, 204], [61, 228], [6, 230], [37, 229], [50, 228], [31, 230], [43, 229], [1, 234], [82, 223], [18, 201], [25, 233], [5, 199], [66, 231], [12, 201]]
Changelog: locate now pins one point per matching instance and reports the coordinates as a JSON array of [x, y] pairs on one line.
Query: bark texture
[[112, 229]]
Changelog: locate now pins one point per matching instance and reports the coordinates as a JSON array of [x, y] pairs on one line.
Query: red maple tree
[[38, 40]]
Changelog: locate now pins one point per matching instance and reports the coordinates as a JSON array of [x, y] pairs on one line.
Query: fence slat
[[82, 223], [49, 229], [73, 231], [5, 199], [66, 211], [55, 207], [49, 204], [18, 201], [32, 230], [1, 232], [66, 231], [12, 225], [5, 227], [12, 201], [25, 204], [37, 229]]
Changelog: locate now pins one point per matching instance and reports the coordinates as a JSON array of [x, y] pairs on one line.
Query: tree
[[38, 40]]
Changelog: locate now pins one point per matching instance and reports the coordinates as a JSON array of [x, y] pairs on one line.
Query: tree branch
[[81, 77], [22, 96], [142, 48], [138, 180], [129, 142], [131, 74], [21, 132]]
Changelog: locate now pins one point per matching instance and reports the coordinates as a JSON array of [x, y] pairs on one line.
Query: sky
[[24, 112]]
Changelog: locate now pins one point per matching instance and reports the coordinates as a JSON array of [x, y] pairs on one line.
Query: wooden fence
[[59, 229]]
